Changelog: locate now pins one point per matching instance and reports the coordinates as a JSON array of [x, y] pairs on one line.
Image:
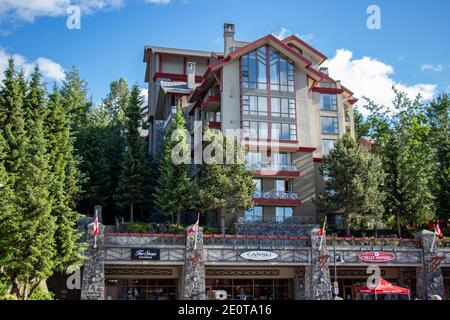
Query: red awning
[[383, 287]]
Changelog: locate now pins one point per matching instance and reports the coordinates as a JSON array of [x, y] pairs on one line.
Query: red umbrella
[[383, 287]]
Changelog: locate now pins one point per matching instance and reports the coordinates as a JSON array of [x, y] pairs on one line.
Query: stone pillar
[[299, 285], [194, 268], [93, 284], [429, 281], [317, 278]]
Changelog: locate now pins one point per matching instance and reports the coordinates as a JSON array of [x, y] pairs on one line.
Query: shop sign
[[144, 254], [376, 256], [259, 255]]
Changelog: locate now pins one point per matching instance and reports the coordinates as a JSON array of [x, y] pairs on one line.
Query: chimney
[[228, 37], [191, 75]]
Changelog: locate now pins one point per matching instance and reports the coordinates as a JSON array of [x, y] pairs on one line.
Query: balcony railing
[[134, 239], [296, 220], [281, 195], [275, 167], [261, 241], [374, 242]]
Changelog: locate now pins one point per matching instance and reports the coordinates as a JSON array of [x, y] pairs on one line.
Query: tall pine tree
[[353, 179], [174, 186], [63, 186], [133, 186]]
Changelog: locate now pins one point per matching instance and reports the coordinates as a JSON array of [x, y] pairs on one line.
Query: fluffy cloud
[[284, 32], [51, 70], [28, 10], [371, 78]]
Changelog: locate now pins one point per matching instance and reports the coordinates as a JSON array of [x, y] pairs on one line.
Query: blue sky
[[411, 50]]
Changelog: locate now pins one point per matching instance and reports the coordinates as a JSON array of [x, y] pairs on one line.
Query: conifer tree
[[353, 179], [173, 192], [133, 187], [227, 185], [63, 187]]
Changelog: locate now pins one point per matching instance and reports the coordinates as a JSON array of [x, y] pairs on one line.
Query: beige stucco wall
[[230, 107]]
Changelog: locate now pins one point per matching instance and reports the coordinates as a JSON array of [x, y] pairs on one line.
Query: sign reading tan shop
[[376, 256], [259, 255]]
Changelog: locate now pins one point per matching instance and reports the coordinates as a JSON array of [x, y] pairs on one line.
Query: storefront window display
[[141, 289], [252, 289]]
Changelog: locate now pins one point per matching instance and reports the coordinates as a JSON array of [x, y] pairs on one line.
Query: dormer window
[[191, 66]]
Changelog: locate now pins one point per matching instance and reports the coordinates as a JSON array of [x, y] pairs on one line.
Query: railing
[[382, 242], [445, 243], [248, 240], [282, 195], [124, 239], [328, 84], [297, 220], [170, 116], [275, 167]]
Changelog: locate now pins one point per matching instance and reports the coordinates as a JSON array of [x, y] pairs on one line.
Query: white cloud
[[50, 70], [144, 94], [435, 68], [371, 78], [28, 10], [284, 33]]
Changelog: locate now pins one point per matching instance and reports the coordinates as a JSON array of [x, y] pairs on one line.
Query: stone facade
[[93, 283], [429, 278], [193, 287], [317, 275]]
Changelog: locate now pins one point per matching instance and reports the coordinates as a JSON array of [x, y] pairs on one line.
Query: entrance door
[[349, 293]]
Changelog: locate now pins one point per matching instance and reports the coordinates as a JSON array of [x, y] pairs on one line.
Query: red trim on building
[[328, 90], [215, 124], [281, 173], [210, 99], [317, 159], [306, 149], [307, 46], [277, 202], [174, 76]]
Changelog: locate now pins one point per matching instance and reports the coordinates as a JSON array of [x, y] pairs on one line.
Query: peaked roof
[[304, 46]]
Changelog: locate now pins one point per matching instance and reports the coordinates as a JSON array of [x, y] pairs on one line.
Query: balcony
[[279, 170], [211, 101], [295, 220], [288, 198]]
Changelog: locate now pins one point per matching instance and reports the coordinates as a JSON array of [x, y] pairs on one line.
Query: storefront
[[446, 277], [349, 279], [252, 283], [141, 283]]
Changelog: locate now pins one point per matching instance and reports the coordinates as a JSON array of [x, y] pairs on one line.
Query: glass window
[[328, 101], [254, 214], [254, 105], [283, 213], [281, 72], [284, 131], [282, 185], [254, 73], [258, 184], [327, 145], [282, 158], [329, 124], [255, 129], [253, 157], [282, 107]]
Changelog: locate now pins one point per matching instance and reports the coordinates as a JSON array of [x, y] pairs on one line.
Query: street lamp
[[341, 260]]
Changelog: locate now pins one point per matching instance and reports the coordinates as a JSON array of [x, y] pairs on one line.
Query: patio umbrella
[[383, 287]]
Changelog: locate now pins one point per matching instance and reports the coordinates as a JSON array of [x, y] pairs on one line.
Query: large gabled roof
[[180, 51], [299, 43]]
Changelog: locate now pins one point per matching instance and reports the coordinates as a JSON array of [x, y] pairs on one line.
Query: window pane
[[257, 183], [276, 131], [253, 129], [275, 106], [329, 124], [263, 130], [262, 106], [328, 101], [327, 145], [280, 185]]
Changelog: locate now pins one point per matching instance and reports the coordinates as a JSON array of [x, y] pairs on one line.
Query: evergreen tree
[[361, 126], [224, 186], [37, 224], [133, 187], [438, 114], [76, 104], [63, 187], [402, 139], [353, 179], [173, 192]]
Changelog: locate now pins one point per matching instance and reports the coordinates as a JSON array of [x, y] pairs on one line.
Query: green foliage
[[438, 118], [173, 192], [402, 139], [224, 184], [353, 179], [362, 127], [40, 294], [133, 183]]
